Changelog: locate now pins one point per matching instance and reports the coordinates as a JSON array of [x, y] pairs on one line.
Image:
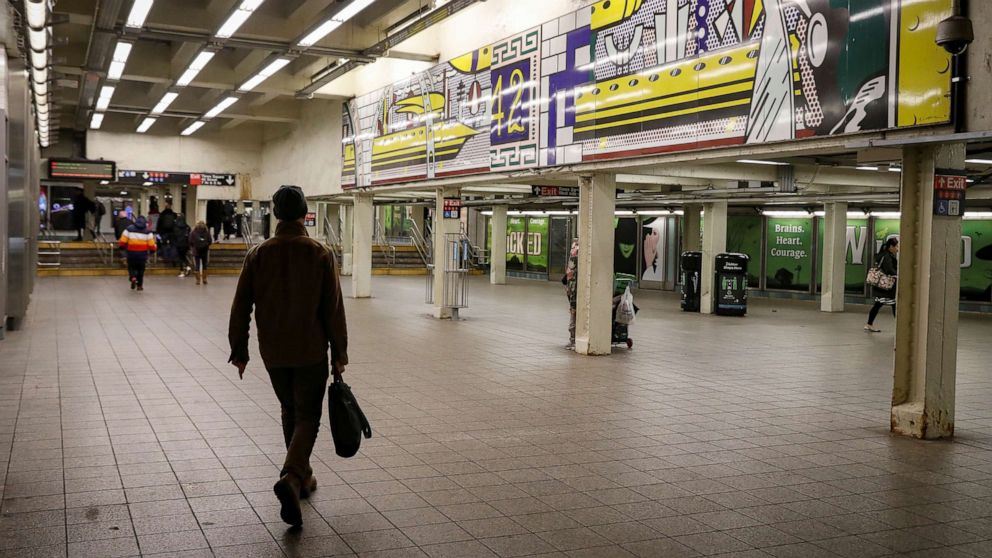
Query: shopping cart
[[620, 283]]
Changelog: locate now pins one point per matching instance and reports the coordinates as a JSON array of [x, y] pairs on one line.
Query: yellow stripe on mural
[[670, 101], [924, 90], [674, 113]]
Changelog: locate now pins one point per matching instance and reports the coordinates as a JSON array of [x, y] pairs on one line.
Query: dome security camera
[[954, 34]]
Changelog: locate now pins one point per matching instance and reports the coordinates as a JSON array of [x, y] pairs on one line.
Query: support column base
[[346, 265], [583, 347], [444, 313], [913, 419]]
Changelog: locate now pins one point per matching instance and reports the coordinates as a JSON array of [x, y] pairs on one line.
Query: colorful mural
[[624, 78]]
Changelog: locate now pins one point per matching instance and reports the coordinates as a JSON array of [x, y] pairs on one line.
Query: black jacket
[[887, 262]]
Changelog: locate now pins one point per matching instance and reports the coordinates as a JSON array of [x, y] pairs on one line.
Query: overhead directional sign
[[556, 191], [166, 177], [87, 170]]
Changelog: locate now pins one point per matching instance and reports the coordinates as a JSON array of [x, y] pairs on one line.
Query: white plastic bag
[[625, 310]]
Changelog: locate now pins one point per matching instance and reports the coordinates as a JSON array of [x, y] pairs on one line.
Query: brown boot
[[204, 276], [309, 487], [287, 490], [197, 277]]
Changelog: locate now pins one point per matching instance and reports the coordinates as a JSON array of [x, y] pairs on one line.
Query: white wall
[[229, 152], [308, 155], [481, 24]]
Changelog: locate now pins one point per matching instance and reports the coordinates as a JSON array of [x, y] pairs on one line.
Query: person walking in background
[[137, 242], [200, 240], [121, 223], [215, 216], [292, 282], [570, 280], [887, 262], [180, 236], [81, 205]]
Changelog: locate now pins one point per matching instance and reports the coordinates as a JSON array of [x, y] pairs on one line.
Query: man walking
[[292, 282]]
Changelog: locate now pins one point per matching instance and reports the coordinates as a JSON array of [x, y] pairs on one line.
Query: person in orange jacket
[[137, 242]]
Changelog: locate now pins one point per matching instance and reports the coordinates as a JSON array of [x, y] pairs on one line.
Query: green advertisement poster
[[537, 244], [789, 254], [976, 261], [859, 255], [515, 243], [744, 237]]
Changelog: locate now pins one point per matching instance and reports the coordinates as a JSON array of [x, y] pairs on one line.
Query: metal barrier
[[455, 268], [388, 250], [332, 239]]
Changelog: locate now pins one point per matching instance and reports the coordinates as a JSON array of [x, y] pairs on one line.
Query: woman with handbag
[[882, 277]]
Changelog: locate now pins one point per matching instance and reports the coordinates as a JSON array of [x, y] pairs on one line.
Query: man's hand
[[241, 368], [337, 369]]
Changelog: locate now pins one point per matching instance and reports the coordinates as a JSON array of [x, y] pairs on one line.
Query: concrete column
[[928, 296], [714, 242], [691, 220], [361, 253], [89, 190], [347, 235], [834, 256], [442, 228], [201, 209], [144, 203], [176, 191], [594, 304], [497, 257]]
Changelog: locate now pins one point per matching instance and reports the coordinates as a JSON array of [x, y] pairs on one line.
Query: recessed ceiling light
[[193, 128], [139, 12]]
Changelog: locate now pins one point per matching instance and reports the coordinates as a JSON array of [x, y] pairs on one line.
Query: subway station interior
[[612, 278]]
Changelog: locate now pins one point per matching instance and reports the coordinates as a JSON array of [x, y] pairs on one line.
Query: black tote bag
[[348, 422]]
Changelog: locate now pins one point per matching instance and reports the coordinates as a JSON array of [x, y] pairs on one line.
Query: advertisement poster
[[516, 251], [744, 237], [537, 244], [859, 255], [653, 239], [789, 254], [628, 78], [976, 261], [625, 245]]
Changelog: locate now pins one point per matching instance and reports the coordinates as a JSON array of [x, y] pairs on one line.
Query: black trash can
[[692, 267], [731, 284]]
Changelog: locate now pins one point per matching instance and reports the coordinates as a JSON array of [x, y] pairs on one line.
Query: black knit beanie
[[289, 203]]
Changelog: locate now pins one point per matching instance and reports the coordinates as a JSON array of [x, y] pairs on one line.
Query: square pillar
[[443, 263], [332, 220], [361, 253], [927, 297], [692, 220], [89, 190], [714, 242], [347, 235], [497, 255], [594, 302], [834, 256]]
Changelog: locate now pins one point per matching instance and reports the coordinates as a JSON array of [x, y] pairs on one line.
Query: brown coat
[[292, 281]]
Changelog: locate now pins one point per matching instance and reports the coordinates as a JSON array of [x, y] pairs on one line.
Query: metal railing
[[455, 267], [50, 255], [423, 243], [332, 239], [247, 234], [387, 248], [104, 248]]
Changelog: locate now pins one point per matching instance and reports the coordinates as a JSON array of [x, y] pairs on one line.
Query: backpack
[[201, 240]]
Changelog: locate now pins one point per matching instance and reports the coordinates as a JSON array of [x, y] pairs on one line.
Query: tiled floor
[[123, 431]]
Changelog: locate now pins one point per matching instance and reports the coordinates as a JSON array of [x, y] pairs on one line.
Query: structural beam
[[594, 300]]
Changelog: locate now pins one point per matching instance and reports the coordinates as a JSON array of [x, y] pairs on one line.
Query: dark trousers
[[182, 257], [873, 313], [136, 269], [301, 395], [201, 260]]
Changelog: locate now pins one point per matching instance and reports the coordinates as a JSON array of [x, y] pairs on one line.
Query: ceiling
[[87, 35]]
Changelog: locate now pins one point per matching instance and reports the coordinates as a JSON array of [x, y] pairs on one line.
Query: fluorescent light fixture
[[146, 183], [760, 162], [39, 59], [139, 12], [104, 182], [148, 122], [195, 66], [221, 107], [867, 168], [324, 29], [38, 39], [165, 102], [121, 53], [41, 89], [895, 169], [193, 128], [886, 214], [238, 18], [850, 214], [264, 74], [37, 13], [793, 214], [352, 9], [977, 215], [979, 161], [97, 120], [105, 95], [319, 33]]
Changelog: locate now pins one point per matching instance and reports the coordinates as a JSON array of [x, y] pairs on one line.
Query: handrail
[[424, 248], [106, 256], [246, 233], [387, 248], [332, 239]]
